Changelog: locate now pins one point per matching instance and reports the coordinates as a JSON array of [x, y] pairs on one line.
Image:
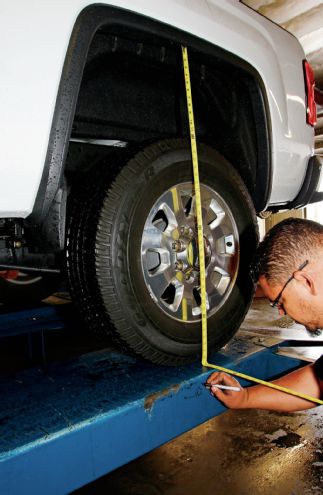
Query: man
[[289, 269]]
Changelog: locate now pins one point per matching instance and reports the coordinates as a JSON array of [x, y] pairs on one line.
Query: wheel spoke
[[184, 311], [159, 280], [153, 238], [157, 261], [220, 279], [196, 305], [215, 214], [183, 304], [225, 247], [172, 209], [172, 297], [172, 222]]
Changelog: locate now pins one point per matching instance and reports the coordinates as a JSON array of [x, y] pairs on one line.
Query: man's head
[[292, 251]]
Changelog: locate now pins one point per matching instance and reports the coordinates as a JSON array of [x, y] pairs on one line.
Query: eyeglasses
[[276, 302]]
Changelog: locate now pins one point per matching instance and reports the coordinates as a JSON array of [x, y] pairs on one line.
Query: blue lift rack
[[70, 423]]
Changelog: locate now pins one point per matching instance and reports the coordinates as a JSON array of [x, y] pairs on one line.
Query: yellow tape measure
[[199, 219], [198, 203]]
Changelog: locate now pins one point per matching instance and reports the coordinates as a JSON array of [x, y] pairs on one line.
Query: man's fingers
[[232, 395], [217, 392], [221, 378], [216, 377]]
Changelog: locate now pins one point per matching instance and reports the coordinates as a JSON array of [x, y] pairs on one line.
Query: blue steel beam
[[65, 427], [32, 320]]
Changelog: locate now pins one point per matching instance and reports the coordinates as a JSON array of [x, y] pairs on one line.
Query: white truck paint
[[34, 40]]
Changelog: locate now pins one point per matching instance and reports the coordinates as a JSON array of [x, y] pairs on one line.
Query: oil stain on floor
[[237, 453]]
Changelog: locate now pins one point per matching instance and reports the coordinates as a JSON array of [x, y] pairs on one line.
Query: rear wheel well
[[123, 80], [132, 90]]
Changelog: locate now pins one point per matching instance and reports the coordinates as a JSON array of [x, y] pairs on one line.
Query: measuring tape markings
[[198, 203], [198, 209]]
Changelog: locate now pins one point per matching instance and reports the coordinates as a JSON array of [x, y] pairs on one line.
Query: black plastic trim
[[308, 193], [89, 21], [264, 172]]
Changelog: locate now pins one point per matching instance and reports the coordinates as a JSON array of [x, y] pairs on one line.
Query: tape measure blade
[[198, 201]]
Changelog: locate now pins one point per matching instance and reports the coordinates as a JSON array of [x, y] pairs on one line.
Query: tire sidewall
[[158, 174]]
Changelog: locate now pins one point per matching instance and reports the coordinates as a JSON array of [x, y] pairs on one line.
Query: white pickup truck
[[96, 174]]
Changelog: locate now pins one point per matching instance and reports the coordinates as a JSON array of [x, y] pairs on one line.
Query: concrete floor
[[237, 453]]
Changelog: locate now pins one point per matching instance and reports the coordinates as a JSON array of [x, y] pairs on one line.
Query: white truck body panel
[[34, 40]]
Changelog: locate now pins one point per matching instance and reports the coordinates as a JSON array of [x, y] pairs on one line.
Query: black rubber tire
[[103, 251], [27, 289]]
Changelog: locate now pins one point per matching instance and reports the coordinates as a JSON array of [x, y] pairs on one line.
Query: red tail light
[[310, 87]]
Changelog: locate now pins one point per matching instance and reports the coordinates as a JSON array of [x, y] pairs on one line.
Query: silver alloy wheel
[[169, 252]]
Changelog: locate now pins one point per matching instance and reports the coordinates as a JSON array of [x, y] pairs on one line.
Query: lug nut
[[177, 246], [187, 231], [179, 265]]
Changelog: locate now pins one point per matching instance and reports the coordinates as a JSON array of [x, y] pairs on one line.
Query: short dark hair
[[286, 246]]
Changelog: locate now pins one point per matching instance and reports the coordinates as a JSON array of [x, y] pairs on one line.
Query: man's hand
[[303, 380], [230, 398]]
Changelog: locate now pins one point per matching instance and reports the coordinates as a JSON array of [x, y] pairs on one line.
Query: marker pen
[[223, 387]]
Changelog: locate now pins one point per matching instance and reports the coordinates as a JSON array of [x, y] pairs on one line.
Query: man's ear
[[307, 281]]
